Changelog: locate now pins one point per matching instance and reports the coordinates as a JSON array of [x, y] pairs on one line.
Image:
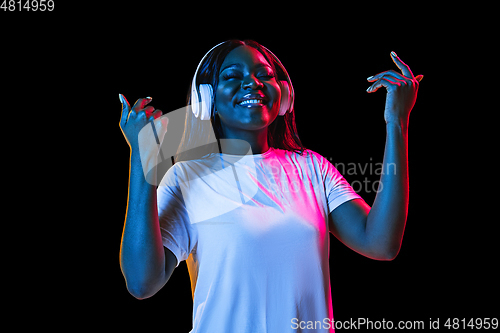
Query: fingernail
[[121, 98], [150, 98], [394, 54], [368, 88], [369, 78]]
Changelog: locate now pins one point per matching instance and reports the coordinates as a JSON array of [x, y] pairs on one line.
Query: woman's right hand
[[144, 129], [133, 121]]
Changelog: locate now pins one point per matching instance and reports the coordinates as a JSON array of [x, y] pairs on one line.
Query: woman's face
[[248, 95]]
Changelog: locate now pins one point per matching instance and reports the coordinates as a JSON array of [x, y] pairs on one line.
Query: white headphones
[[202, 109]]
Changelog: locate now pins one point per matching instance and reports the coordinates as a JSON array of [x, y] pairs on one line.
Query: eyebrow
[[238, 65]]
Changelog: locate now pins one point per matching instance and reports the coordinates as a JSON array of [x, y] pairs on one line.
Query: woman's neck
[[238, 142]]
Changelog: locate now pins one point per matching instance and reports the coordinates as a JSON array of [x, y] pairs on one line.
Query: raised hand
[[401, 88], [134, 119], [144, 129]]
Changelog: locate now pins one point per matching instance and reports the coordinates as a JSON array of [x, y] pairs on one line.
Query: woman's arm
[[377, 232], [145, 264]]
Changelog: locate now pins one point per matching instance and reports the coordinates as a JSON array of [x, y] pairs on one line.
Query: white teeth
[[251, 101]]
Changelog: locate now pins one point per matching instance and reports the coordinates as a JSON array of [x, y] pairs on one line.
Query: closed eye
[[230, 75], [270, 76]]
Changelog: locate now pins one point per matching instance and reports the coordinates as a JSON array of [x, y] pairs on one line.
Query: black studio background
[[81, 58]]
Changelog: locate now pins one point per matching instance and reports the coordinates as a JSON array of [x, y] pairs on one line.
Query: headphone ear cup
[[195, 105], [285, 98], [206, 101]]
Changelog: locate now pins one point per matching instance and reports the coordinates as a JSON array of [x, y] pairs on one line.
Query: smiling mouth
[[251, 103]]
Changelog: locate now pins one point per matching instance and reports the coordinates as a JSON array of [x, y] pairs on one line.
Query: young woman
[[254, 229]]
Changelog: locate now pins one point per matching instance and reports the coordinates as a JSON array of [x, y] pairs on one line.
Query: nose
[[252, 83]]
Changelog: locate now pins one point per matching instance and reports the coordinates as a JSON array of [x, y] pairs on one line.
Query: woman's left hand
[[401, 91]]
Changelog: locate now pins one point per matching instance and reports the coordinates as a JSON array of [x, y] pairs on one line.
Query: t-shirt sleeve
[[337, 188], [178, 234]]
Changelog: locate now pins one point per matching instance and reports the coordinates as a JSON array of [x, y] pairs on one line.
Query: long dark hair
[[282, 132]]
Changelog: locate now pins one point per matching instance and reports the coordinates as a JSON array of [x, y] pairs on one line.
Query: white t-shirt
[[254, 234]]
